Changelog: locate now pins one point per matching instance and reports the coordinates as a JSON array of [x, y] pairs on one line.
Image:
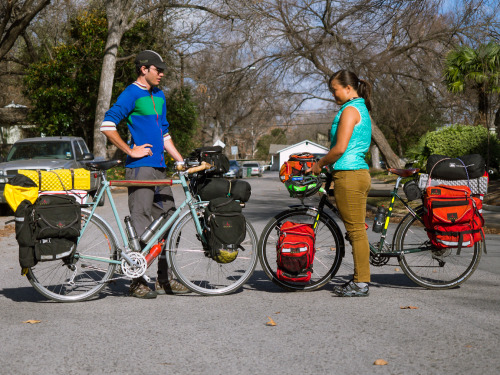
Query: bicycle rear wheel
[[201, 274], [75, 279], [430, 267], [329, 245]]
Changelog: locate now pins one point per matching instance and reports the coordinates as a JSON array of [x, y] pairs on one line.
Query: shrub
[[458, 140]]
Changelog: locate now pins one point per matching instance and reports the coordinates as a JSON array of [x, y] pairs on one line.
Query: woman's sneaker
[[351, 289]]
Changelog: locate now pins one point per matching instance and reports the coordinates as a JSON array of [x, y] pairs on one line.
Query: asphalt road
[[448, 332]]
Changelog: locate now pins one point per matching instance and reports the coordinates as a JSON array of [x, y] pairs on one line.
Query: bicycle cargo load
[[18, 189], [48, 229], [212, 188], [225, 229], [461, 168], [214, 156], [296, 165], [61, 179], [295, 252], [452, 217]]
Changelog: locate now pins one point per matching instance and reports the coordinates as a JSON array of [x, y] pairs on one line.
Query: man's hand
[[138, 152]]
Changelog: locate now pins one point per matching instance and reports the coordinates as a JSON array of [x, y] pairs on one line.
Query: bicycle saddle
[[101, 165], [404, 172]]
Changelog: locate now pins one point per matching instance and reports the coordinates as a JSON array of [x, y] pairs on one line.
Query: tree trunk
[[392, 160], [116, 27], [375, 157], [497, 121]]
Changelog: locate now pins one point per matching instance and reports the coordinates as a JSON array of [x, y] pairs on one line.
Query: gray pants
[[148, 203]]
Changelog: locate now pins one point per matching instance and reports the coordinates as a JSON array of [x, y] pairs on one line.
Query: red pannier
[[295, 252], [452, 217]]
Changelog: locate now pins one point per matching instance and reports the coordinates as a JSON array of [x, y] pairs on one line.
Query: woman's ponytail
[[365, 91]]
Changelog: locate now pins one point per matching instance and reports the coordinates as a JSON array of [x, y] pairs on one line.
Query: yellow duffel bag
[[18, 189], [59, 179]]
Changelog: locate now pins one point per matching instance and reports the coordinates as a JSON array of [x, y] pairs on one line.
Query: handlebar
[[203, 166]]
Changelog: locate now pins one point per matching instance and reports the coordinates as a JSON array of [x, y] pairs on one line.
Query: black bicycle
[[424, 264]]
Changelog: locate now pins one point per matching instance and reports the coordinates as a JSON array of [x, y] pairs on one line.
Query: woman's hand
[[316, 169]]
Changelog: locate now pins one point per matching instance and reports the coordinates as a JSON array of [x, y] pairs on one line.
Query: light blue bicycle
[[100, 257]]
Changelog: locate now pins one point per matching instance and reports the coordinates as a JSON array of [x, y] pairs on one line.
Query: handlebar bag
[[214, 156], [296, 165], [295, 252]]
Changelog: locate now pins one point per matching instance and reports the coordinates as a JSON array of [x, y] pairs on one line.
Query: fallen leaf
[[408, 307], [380, 362], [278, 312], [32, 321], [396, 269], [271, 322]]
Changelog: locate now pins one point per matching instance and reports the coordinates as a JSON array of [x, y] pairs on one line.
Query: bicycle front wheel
[[198, 271], [75, 279], [329, 245], [428, 266]]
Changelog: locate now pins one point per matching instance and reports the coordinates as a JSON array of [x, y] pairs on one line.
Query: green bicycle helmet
[[303, 186]]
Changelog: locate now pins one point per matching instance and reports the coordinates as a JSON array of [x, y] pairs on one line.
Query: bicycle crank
[[378, 260], [137, 270]]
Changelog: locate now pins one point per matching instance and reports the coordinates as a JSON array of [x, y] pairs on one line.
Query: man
[[143, 105]]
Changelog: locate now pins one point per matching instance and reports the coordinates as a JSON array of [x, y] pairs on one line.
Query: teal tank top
[[359, 144]]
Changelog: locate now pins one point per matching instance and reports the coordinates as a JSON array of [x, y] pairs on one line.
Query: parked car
[[45, 154], [254, 169], [235, 170]]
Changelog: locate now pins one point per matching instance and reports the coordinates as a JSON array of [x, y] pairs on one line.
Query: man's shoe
[[350, 289], [171, 287], [140, 290]]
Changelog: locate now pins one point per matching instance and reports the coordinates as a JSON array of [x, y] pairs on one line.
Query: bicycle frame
[[105, 188], [377, 249]]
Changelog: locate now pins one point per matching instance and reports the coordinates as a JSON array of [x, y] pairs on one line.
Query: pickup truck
[[45, 153]]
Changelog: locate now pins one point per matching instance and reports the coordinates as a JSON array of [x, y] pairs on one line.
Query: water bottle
[[132, 235], [378, 221], [154, 252], [153, 227]]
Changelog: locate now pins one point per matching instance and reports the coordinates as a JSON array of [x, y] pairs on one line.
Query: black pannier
[[53, 248], [461, 168], [212, 188], [225, 229], [48, 229], [25, 230], [214, 156], [57, 216]]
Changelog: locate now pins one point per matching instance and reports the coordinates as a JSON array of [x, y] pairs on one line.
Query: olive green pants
[[351, 191]]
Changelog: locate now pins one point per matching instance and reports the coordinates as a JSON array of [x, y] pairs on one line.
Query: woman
[[350, 141]]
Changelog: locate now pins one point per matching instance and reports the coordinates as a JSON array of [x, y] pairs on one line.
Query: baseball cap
[[148, 57]]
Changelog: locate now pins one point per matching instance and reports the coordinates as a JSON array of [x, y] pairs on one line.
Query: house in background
[[281, 153]]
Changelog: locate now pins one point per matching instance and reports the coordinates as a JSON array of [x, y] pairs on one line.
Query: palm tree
[[478, 69]]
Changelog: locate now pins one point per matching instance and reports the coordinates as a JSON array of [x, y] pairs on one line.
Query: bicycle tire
[[432, 268], [200, 273], [329, 245], [51, 279]]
